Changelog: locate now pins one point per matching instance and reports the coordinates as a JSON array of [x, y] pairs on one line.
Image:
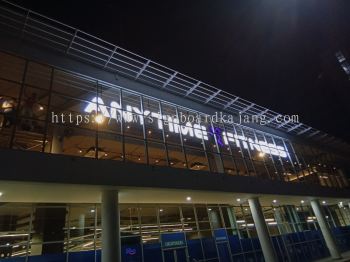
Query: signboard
[[173, 240], [220, 235], [133, 114]]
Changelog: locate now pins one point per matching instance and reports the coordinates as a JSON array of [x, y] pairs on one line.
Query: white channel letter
[[92, 106], [187, 130], [228, 137], [253, 144], [243, 139], [199, 132], [159, 117]]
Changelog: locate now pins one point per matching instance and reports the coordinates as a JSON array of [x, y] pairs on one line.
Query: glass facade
[[53, 111], [72, 232]]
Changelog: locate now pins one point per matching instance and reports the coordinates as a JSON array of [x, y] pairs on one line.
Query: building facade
[[107, 156]]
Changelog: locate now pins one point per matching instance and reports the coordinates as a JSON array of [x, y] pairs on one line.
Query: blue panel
[[224, 253], [235, 244], [152, 252], [131, 253], [195, 249], [83, 256], [48, 258], [209, 247], [220, 235], [238, 258], [15, 259], [247, 244]]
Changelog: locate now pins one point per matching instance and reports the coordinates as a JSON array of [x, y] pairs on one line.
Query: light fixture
[[128, 127], [323, 202], [41, 108], [92, 211], [261, 154], [238, 199], [1, 194], [188, 198], [157, 161], [160, 210], [209, 209], [246, 209], [302, 201], [80, 151], [149, 132], [274, 201], [99, 119], [139, 158]]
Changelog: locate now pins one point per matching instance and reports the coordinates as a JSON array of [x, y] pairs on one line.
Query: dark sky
[[276, 53]]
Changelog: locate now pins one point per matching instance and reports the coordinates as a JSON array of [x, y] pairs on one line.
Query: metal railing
[[35, 27]]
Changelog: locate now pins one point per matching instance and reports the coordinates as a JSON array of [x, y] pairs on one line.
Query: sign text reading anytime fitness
[[194, 130]]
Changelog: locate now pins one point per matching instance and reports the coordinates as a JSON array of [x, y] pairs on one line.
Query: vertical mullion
[[122, 124], [47, 110], [30, 231], [145, 141], [163, 132], [181, 138], [19, 103], [96, 131]]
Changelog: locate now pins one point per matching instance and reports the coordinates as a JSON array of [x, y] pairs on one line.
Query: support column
[[262, 230], [57, 140], [326, 231], [110, 226]]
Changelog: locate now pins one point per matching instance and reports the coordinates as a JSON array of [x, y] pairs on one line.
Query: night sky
[[276, 53]]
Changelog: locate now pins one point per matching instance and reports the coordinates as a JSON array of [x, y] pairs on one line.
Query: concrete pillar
[[110, 226], [81, 225], [57, 140], [326, 231], [262, 230]]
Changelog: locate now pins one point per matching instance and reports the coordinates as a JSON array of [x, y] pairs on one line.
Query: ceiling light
[[302, 201], [99, 119], [188, 198], [238, 199]]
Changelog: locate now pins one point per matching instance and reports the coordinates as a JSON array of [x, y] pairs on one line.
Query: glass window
[[111, 145], [170, 215], [156, 154], [135, 150], [74, 86], [196, 160], [11, 67], [176, 156], [38, 75]]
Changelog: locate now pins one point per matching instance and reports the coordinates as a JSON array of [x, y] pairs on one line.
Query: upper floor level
[[53, 110]]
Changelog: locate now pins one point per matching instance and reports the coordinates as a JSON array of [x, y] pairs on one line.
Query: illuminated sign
[[173, 125]]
